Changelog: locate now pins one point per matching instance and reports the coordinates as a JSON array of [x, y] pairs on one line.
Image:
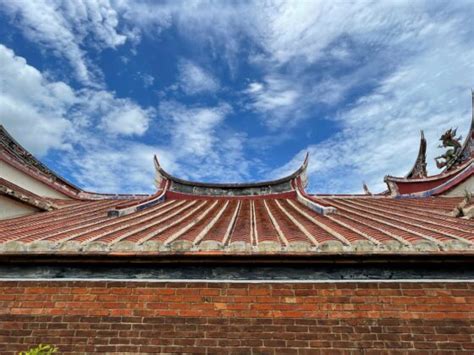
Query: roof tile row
[[367, 224]]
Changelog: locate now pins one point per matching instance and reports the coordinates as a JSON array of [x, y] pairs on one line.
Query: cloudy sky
[[234, 91]]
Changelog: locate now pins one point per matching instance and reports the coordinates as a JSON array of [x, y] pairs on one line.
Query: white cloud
[[195, 80], [148, 80], [274, 99], [65, 27], [200, 141], [32, 108], [290, 39], [113, 115], [306, 31], [152, 18], [381, 71], [45, 115], [215, 26], [111, 169], [255, 87], [298, 38], [380, 132], [276, 95], [193, 130], [127, 119], [284, 101]]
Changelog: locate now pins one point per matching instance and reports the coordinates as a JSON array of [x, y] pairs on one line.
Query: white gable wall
[[10, 208], [25, 181], [460, 190]]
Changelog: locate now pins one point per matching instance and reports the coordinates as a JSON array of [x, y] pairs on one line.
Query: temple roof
[[270, 218], [280, 224], [457, 170]]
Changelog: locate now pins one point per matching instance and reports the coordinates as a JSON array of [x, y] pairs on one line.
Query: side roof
[[457, 172], [13, 153], [185, 220]]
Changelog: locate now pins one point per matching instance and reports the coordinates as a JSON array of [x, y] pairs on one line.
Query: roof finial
[[453, 146], [302, 171], [472, 107], [158, 173], [306, 159], [465, 152], [419, 168], [366, 189]]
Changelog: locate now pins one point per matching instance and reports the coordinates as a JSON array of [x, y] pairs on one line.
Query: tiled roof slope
[[15, 155], [458, 170], [244, 225], [265, 218]]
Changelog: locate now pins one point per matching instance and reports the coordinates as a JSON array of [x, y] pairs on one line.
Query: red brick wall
[[238, 318]]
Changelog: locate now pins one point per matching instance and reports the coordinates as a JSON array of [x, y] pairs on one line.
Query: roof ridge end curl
[[419, 168], [230, 189]]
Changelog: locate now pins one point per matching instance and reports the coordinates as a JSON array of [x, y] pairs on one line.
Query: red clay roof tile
[[375, 224]]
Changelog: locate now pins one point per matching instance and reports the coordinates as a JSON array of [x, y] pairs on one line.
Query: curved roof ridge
[[163, 174]]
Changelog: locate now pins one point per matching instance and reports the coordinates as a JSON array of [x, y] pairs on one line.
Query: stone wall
[[238, 318]]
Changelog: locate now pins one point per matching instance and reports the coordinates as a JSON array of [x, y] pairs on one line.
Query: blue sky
[[234, 91]]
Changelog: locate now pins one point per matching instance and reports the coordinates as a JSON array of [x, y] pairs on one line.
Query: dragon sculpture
[[453, 145]]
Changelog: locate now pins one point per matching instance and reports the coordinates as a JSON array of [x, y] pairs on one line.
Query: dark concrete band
[[240, 272]]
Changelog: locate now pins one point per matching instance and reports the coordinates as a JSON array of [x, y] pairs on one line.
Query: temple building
[[262, 267]]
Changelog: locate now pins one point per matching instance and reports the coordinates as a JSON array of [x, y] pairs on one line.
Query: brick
[[238, 318]]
